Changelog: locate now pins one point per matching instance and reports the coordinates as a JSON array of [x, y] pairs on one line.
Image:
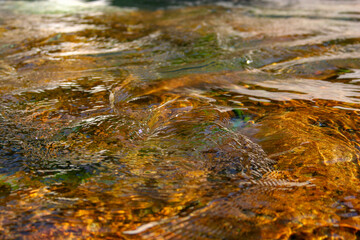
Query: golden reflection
[[190, 123]]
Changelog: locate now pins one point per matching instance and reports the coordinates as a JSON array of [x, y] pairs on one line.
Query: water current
[[180, 119]]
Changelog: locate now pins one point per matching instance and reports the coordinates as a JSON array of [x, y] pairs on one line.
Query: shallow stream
[[180, 119]]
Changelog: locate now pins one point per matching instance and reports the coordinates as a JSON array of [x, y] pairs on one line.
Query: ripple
[[245, 113]]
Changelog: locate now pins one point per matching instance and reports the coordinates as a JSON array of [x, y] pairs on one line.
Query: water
[[179, 119]]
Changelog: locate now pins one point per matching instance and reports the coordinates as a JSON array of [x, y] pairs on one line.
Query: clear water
[[179, 120]]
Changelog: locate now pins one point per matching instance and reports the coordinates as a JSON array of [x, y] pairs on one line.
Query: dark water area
[[162, 4], [179, 119]]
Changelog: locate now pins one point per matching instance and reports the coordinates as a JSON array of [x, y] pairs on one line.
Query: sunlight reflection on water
[[234, 120]]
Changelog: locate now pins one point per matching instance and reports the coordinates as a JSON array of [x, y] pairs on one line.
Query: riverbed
[[179, 119]]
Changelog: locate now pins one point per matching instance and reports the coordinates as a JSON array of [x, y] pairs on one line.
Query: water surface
[[179, 120]]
